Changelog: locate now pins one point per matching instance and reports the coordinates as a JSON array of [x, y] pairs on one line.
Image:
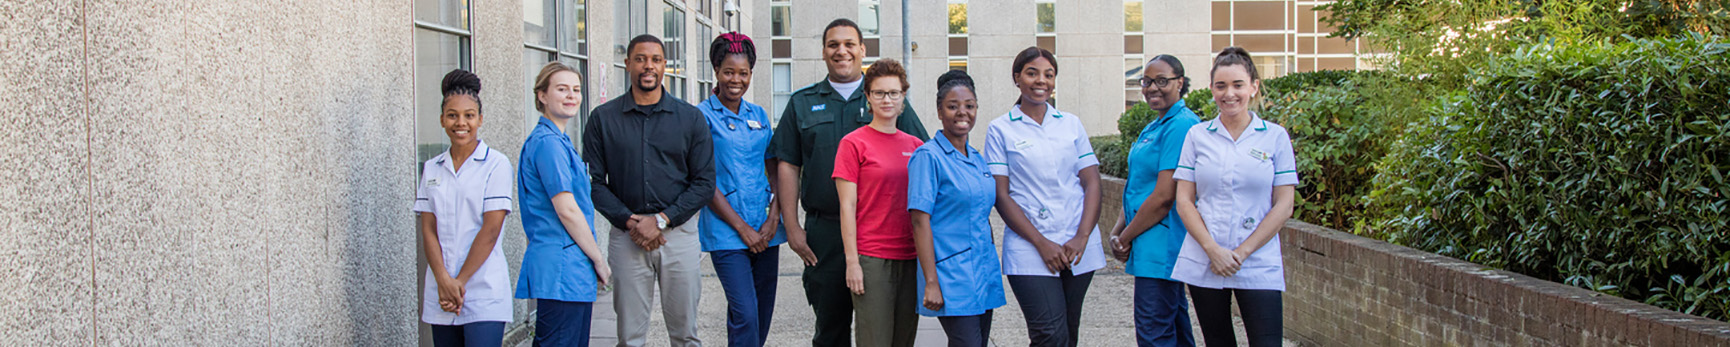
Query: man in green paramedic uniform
[[810, 129]]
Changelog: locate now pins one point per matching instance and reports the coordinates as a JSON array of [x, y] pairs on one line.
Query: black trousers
[[1260, 310], [826, 284], [1052, 306]]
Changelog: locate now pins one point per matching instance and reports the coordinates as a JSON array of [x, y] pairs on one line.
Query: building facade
[[242, 173]]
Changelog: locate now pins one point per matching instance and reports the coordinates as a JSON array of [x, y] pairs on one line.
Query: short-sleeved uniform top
[[741, 145], [810, 130], [1042, 161], [456, 200], [877, 163], [1234, 183], [1157, 149], [553, 266], [957, 191]]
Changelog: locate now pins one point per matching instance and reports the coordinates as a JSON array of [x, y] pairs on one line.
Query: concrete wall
[[207, 173]]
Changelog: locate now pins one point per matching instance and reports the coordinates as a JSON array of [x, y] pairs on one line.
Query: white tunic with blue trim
[[1234, 181]]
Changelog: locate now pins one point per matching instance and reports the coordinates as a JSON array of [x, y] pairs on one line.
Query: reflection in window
[[780, 16], [538, 19], [957, 17], [868, 17], [1047, 16], [566, 42], [441, 45], [783, 83], [1132, 16], [673, 35]]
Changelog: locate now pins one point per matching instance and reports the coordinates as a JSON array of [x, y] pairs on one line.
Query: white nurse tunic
[[1041, 161], [1234, 181], [457, 200]]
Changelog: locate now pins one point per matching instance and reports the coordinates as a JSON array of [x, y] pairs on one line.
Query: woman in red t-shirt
[[876, 229]]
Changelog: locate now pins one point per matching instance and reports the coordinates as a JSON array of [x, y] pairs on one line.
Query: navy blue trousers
[[1161, 314], [562, 323], [477, 334], [749, 282]]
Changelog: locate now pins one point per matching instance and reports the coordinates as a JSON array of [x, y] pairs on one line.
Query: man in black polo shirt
[[651, 162], [810, 129]]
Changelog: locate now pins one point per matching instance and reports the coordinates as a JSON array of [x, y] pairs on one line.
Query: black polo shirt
[[647, 159]]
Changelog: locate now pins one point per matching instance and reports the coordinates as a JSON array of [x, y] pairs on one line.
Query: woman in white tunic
[[1048, 193], [1236, 178], [463, 198]]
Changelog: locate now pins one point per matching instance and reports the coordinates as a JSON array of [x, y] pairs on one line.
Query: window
[[555, 30], [442, 44], [630, 18], [705, 69], [868, 17], [1045, 31], [957, 17], [870, 26], [958, 35], [1132, 52], [1132, 16], [780, 17], [783, 76], [1047, 16], [673, 35]]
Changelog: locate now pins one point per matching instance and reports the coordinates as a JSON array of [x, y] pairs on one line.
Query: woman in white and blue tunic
[[463, 198], [1148, 234], [740, 228], [1048, 193], [949, 194], [1236, 179]]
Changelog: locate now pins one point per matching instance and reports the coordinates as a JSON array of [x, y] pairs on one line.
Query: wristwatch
[[660, 221]]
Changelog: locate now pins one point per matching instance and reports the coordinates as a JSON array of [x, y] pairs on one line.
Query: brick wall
[[1347, 290]]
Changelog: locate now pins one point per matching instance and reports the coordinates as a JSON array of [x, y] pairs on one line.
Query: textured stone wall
[[209, 172]]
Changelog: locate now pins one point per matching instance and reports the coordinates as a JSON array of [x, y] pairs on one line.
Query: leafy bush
[[1113, 154], [1341, 123], [1597, 165]]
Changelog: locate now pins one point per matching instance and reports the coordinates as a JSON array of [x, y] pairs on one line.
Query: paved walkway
[[1106, 315]]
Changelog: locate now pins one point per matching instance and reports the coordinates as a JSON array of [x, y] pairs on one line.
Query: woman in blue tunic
[[1148, 234], [950, 193], [563, 266], [740, 227]]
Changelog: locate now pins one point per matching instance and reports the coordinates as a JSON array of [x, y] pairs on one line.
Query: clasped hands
[[644, 232]]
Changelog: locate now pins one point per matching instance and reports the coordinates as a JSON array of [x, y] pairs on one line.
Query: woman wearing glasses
[[1148, 234], [876, 229], [1048, 193]]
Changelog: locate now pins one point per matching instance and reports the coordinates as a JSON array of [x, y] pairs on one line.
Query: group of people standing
[[896, 223]]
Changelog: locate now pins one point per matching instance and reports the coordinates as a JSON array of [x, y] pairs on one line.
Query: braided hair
[[459, 82], [732, 43]]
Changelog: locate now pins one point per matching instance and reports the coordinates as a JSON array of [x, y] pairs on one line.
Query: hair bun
[[459, 81], [956, 76]]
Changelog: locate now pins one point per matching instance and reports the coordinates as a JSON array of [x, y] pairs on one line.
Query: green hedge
[[1340, 122], [1597, 165]]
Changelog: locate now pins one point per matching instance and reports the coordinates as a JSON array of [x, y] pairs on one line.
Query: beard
[[638, 82]]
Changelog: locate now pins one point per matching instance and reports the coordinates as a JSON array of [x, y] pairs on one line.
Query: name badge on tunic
[[819, 107], [1022, 145], [1257, 154], [432, 182], [754, 124]]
